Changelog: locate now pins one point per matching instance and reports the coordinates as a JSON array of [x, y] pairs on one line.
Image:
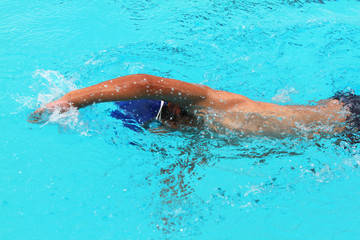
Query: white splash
[[283, 95], [56, 85], [63, 118]]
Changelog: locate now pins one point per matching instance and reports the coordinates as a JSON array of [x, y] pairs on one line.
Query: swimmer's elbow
[[143, 77], [147, 86], [143, 80], [170, 89]]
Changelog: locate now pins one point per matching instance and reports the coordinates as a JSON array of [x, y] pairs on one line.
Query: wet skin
[[217, 108]]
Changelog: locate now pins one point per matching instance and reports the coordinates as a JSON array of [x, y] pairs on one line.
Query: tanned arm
[[185, 95], [138, 86]]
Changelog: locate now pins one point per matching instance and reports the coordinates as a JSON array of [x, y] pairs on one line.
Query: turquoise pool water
[[84, 176]]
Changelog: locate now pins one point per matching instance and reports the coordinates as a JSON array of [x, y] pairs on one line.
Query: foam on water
[[55, 83], [52, 85], [283, 95]]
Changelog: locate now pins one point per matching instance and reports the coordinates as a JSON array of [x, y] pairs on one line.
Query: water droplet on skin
[[179, 93], [172, 89], [105, 86]]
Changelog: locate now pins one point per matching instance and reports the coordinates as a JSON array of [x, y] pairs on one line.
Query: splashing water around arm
[[131, 87], [233, 111]]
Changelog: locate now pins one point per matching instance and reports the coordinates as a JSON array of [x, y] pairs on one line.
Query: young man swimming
[[176, 103]]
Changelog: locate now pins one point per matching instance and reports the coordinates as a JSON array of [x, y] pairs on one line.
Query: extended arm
[[139, 86], [131, 87], [143, 86]]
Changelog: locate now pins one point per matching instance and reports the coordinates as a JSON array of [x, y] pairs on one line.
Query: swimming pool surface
[[83, 175]]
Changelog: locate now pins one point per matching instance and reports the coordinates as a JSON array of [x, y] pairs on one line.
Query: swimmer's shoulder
[[223, 100]]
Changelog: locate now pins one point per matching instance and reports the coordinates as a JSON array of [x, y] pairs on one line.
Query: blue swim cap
[[137, 112]]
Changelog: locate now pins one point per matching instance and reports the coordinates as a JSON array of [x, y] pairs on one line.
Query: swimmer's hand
[[41, 115]]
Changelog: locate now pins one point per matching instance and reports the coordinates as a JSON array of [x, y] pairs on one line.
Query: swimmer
[[175, 103]]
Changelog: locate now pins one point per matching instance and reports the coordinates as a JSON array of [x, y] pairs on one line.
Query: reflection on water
[[240, 173]]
